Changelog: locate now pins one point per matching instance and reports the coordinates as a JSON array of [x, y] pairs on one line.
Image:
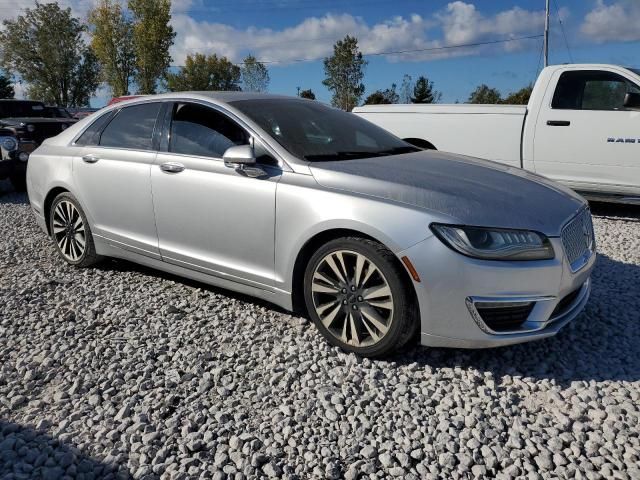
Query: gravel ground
[[120, 371]]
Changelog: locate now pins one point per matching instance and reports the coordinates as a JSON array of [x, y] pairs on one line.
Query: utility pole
[[546, 35], [298, 90]]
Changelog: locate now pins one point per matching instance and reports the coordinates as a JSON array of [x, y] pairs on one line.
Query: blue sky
[[283, 31], [602, 31]]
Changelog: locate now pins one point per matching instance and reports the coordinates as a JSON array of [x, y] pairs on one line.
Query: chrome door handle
[[172, 167], [90, 158]]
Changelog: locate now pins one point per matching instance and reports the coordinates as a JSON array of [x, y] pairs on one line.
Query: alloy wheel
[[352, 298], [68, 230]]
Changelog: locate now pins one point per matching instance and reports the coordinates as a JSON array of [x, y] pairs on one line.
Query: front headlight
[[495, 243]]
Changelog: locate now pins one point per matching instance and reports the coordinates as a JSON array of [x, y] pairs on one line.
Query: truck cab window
[[592, 90]]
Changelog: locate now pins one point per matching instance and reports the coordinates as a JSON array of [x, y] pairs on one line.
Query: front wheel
[[357, 295], [70, 231]]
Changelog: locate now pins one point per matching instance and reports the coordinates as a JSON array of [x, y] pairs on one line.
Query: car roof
[[222, 97]]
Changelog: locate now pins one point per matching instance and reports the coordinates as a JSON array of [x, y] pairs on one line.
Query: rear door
[[112, 175], [585, 137]]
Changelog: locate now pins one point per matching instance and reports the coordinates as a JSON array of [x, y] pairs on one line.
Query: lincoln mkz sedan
[[321, 212]]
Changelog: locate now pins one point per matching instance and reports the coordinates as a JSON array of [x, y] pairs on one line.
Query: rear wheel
[[70, 231], [357, 296]]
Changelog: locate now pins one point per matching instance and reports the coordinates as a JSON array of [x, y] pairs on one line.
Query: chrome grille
[[578, 240]]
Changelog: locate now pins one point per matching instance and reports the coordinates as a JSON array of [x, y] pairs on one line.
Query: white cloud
[[79, 8], [618, 21], [460, 23]]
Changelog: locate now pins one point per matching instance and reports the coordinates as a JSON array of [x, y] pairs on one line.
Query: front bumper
[[452, 285]]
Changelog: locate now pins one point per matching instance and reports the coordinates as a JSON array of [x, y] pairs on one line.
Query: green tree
[[521, 97], [6, 88], [112, 42], [201, 72], [152, 37], [344, 72], [255, 76], [45, 47], [423, 92], [383, 97], [406, 89], [308, 94], [485, 95]]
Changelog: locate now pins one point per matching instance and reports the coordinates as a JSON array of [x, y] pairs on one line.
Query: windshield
[[314, 132]]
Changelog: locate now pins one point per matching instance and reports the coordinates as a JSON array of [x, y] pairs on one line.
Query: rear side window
[[132, 127], [592, 90], [202, 131], [91, 135]]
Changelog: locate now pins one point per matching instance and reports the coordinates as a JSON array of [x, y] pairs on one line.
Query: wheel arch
[[312, 245], [48, 201], [420, 143]]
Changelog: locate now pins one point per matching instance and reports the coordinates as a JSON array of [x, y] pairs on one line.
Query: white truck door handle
[[90, 158], [172, 167], [558, 123]]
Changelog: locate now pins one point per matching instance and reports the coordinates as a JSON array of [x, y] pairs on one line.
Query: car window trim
[[84, 130], [114, 113], [155, 126], [253, 136]]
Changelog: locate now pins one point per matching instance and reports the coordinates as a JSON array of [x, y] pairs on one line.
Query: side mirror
[[632, 100], [239, 156]]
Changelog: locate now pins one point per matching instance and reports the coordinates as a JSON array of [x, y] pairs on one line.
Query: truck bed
[[486, 131]]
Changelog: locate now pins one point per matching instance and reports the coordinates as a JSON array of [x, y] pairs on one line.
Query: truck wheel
[[19, 182]]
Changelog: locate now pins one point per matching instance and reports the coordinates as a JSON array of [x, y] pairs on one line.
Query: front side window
[[592, 90], [132, 127], [202, 131]]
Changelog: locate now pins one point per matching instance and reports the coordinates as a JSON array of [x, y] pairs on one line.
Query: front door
[[112, 174], [585, 137], [210, 217]]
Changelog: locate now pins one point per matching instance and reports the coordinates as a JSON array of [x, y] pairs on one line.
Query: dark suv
[[25, 124]]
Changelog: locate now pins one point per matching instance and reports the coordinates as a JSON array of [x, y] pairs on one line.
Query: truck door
[[584, 135]]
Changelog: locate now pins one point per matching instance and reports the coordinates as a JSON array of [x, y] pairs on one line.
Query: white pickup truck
[[581, 128]]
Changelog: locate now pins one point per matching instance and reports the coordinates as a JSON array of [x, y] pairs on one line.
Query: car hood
[[469, 191]]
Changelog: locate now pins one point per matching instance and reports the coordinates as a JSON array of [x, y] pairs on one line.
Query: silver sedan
[[319, 211]]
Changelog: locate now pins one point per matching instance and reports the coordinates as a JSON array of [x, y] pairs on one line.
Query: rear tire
[[358, 296], [71, 232]]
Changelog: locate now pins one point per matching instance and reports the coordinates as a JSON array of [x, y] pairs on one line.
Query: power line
[[564, 34], [415, 50], [537, 72]]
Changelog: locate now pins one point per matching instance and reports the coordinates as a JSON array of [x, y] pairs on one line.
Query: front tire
[[70, 231], [359, 298]]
